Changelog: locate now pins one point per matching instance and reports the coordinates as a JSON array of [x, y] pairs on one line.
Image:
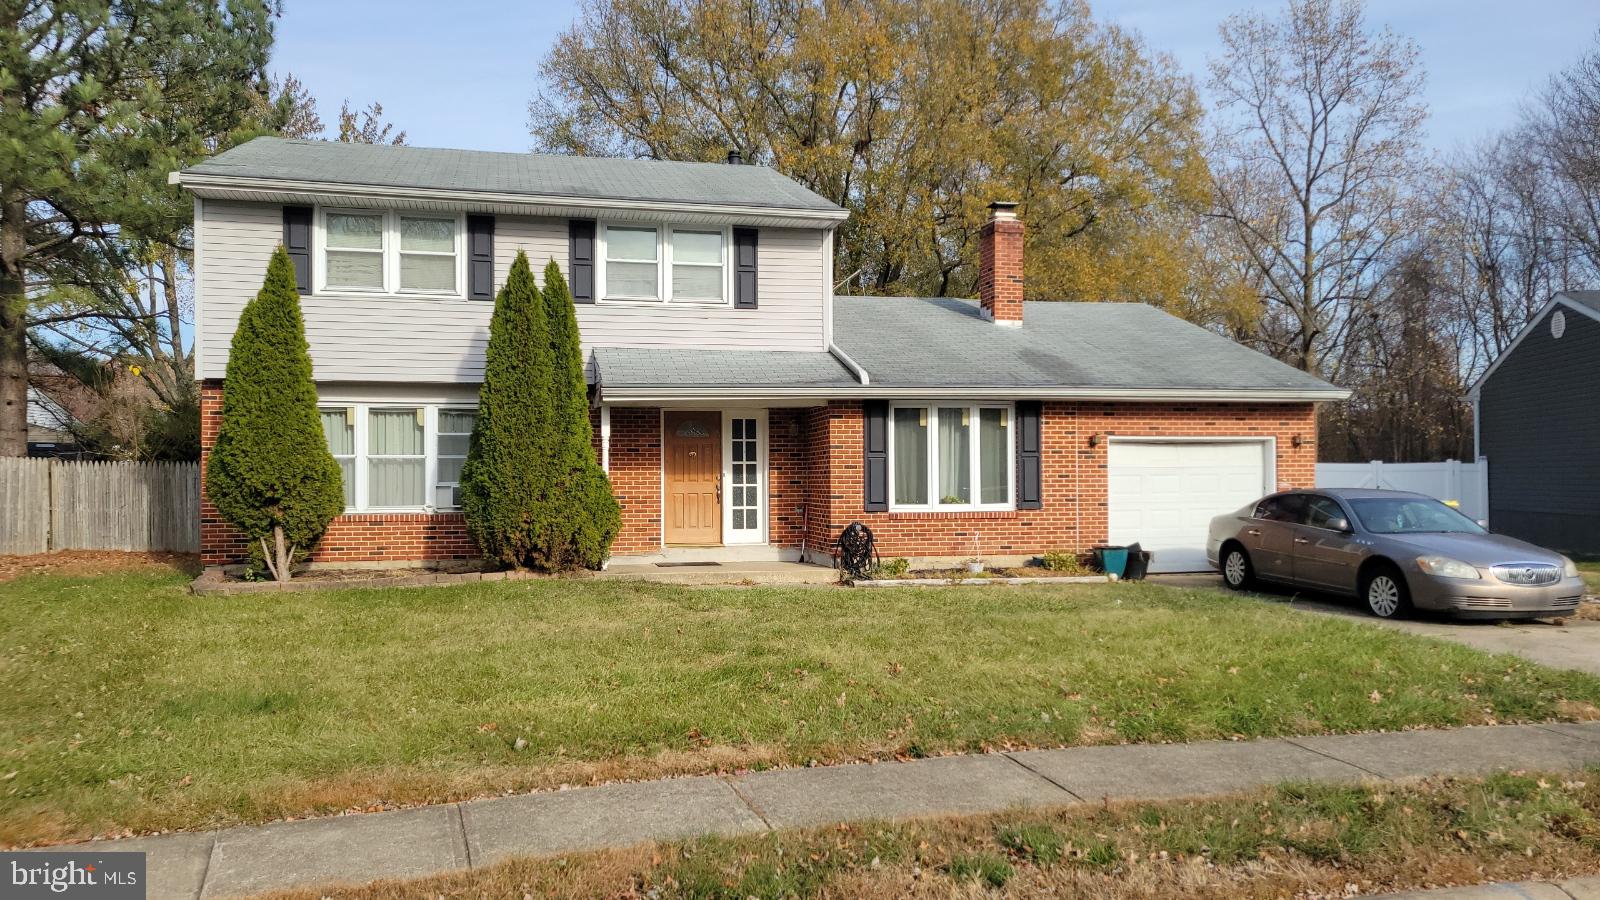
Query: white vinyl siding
[[366, 337]]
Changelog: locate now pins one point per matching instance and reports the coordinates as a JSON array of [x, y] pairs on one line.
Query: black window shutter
[[480, 257], [1029, 476], [744, 268], [876, 465], [297, 240], [580, 259]]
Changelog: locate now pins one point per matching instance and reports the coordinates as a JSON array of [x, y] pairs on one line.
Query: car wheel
[[1386, 593], [1236, 571]]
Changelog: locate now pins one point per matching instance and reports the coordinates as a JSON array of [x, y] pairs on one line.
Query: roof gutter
[[649, 393], [201, 182]]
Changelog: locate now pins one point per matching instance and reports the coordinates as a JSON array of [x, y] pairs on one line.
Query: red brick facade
[[1073, 514], [814, 484]]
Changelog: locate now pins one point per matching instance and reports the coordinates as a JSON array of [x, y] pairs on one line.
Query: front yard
[[134, 705]]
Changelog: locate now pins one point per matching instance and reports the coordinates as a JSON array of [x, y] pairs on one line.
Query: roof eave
[[648, 393], [209, 185]]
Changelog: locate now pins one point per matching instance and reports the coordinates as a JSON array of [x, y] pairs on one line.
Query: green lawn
[[132, 704], [1590, 570]]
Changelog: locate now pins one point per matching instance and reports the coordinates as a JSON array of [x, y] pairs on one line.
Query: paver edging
[[962, 582]]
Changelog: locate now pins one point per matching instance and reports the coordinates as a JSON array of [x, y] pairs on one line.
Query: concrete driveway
[[1574, 645]]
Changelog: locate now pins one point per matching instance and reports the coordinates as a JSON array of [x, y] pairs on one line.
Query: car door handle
[[1253, 532], [1301, 541]]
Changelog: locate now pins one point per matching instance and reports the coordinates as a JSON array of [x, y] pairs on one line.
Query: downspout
[[855, 368]]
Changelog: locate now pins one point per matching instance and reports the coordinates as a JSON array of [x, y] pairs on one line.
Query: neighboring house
[[1537, 420], [742, 411], [49, 427]]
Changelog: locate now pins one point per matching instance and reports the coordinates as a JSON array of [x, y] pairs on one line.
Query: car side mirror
[[1482, 523], [1340, 525]]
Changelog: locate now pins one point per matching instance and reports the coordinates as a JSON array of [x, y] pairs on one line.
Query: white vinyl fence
[[1467, 484], [48, 504]]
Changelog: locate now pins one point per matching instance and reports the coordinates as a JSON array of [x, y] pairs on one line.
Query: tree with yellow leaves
[[914, 115]]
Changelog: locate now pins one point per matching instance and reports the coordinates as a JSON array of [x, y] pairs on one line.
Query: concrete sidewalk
[[433, 840], [1571, 889]]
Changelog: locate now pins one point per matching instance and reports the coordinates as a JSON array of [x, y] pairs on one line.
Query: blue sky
[[460, 74]]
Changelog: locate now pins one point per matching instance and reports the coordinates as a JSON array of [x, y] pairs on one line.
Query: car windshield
[[1411, 515]]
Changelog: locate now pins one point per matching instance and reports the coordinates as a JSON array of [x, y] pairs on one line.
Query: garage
[[1163, 494]]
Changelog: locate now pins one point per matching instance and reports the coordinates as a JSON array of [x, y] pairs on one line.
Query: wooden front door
[[693, 458]]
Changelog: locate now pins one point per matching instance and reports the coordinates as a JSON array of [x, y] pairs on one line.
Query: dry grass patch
[[90, 563], [1307, 841]]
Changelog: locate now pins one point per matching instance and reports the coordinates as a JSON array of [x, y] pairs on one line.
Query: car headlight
[[1445, 567], [1569, 569]]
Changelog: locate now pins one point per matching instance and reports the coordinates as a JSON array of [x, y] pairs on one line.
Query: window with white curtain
[[633, 267], [951, 456], [697, 266], [339, 427], [663, 264], [427, 255], [455, 434], [387, 252], [396, 460], [353, 258], [399, 457]]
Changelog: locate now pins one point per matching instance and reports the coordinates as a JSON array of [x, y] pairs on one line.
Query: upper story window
[[663, 264], [389, 252]]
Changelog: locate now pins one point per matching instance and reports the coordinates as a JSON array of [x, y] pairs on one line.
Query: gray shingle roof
[[927, 342], [624, 368], [574, 177]]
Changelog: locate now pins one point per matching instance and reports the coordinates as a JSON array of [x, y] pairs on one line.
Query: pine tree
[[270, 473], [584, 517], [505, 482]]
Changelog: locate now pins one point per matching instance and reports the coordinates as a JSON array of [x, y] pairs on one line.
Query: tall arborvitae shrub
[[506, 480], [584, 518], [270, 473]]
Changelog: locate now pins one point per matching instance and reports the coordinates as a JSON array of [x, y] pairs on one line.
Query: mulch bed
[[89, 563]]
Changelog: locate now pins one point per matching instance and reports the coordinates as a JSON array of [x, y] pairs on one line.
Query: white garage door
[[1163, 495]]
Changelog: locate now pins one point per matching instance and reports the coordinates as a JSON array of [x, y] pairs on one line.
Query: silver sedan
[[1393, 549]]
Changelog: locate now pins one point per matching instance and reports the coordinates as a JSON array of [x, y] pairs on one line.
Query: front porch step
[[733, 573], [733, 553]]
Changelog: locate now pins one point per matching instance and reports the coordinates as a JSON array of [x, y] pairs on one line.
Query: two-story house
[[741, 409]]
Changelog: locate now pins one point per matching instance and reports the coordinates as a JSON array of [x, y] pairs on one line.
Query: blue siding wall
[[1539, 427]]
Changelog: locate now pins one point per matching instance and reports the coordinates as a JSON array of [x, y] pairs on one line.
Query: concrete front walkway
[[433, 840], [730, 573]]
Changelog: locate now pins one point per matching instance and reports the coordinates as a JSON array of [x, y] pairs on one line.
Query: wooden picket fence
[[48, 504]]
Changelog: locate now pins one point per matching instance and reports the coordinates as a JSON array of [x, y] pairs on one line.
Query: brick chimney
[[1000, 266]]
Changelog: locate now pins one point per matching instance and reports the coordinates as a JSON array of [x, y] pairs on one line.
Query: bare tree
[[366, 126], [1321, 122]]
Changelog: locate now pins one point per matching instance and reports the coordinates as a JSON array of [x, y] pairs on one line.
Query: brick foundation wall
[[1074, 512]]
